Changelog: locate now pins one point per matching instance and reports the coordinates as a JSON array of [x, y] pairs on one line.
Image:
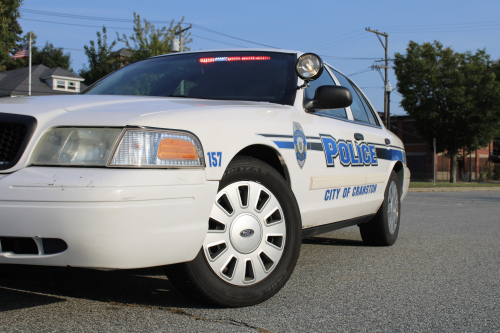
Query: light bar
[[244, 58]]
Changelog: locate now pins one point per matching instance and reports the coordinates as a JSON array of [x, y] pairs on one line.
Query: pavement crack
[[194, 317], [242, 323], [33, 293], [169, 309]]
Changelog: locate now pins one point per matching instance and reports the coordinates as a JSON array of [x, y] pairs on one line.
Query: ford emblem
[[247, 233]]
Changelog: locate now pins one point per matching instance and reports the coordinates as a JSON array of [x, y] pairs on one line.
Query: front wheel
[[383, 229], [252, 243]]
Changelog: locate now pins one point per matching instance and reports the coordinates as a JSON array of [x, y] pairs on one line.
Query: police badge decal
[[300, 143]]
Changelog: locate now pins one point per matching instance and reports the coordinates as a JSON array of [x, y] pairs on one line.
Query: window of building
[[66, 85]]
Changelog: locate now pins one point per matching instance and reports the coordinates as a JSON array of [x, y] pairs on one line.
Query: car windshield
[[249, 76]]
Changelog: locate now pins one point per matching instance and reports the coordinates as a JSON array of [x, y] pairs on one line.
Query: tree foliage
[[146, 41], [49, 55], [101, 59], [10, 30], [453, 97], [149, 41]]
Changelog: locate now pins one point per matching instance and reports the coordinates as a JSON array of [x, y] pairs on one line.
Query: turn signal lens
[[173, 149], [152, 148]]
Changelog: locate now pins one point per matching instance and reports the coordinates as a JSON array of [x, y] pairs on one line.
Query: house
[[122, 53], [44, 81], [419, 157]]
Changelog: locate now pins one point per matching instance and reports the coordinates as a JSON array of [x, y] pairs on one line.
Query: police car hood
[[125, 107]]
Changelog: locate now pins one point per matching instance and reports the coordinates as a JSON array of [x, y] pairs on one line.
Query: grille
[[11, 140], [15, 133]]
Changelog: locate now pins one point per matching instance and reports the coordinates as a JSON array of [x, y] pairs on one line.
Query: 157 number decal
[[214, 159]]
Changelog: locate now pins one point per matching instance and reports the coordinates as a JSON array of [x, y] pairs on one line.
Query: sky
[[335, 30]]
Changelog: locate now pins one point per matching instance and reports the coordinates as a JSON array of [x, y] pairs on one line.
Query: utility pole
[[434, 159], [386, 79], [180, 34], [29, 84]]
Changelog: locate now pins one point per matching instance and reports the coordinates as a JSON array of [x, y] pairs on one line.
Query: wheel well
[[399, 169], [268, 155]]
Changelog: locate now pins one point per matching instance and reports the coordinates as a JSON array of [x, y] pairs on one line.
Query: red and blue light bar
[[244, 58]]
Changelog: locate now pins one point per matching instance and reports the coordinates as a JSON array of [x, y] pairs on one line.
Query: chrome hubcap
[[393, 207], [246, 233]]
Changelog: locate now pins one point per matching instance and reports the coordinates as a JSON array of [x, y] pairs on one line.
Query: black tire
[[377, 231], [196, 279]]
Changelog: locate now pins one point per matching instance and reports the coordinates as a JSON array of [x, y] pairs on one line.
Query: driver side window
[[324, 80]]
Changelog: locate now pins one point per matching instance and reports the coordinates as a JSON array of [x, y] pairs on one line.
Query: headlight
[[118, 148], [158, 148], [76, 146]]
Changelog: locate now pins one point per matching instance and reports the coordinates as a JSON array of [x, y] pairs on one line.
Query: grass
[[446, 184]]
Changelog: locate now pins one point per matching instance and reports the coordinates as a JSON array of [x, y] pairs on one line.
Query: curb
[[455, 189]]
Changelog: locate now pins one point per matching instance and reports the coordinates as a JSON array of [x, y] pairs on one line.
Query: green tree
[[453, 97], [101, 59], [149, 41], [49, 55], [10, 30]]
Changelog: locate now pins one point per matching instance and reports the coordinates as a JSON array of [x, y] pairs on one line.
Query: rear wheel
[[383, 229], [253, 239]]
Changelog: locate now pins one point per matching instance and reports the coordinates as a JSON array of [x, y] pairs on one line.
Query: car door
[[330, 137], [371, 136]]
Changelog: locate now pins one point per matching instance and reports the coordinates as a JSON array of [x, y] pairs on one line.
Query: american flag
[[23, 52]]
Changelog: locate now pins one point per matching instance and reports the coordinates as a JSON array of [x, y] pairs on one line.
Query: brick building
[[420, 158]]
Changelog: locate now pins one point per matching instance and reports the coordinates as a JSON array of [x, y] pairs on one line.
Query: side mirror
[[328, 98]]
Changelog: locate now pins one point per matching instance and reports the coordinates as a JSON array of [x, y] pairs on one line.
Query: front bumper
[[109, 218]]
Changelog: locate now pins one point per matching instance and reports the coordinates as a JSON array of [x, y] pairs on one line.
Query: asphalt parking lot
[[443, 274]]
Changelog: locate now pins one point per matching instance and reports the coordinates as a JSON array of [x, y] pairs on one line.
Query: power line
[[461, 24], [96, 26], [81, 17], [65, 48], [328, 40], [225, 35], [361, 71], [346, 58], [218, 41], [436, 31], [335, 42], [78, 25], [346, 42]]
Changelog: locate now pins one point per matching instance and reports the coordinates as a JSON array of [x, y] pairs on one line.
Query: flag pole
[[29, 91]]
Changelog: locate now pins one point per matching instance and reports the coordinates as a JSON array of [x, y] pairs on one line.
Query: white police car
[[215, 164]]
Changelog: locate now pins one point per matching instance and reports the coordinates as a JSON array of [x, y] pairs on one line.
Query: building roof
[[123, 52], [16, 82], [59, 72]]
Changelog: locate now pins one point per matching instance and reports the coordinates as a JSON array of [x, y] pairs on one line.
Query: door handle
[[358, 136]]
